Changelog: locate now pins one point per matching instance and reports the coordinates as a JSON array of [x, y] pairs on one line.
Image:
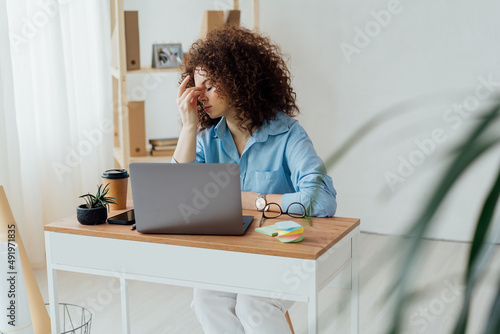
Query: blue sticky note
[[287, 225]]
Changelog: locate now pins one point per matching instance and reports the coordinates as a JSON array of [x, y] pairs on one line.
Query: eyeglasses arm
[[309, 220], [261, 219]]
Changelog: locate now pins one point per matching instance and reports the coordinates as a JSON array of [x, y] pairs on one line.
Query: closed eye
[[209, 88]]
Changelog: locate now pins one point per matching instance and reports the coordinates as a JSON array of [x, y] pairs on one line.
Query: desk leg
[[52, 284], [355, 283], [312, 305], [125, 310]]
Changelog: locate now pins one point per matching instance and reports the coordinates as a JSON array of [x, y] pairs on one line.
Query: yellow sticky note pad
[[287, 232]]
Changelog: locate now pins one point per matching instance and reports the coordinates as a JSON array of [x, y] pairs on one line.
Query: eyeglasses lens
[[296, 210], [272, 211]]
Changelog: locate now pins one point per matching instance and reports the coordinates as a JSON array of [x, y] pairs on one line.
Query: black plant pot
[[93, 216]]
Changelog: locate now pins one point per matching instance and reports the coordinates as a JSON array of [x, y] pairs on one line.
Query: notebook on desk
[[188, 198]]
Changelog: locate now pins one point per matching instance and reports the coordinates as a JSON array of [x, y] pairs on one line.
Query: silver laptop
[[188, 198]]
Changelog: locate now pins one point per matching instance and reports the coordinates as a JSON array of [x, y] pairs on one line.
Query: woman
[[236, 104]]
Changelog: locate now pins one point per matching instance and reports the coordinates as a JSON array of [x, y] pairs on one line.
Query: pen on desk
[[133, 227]]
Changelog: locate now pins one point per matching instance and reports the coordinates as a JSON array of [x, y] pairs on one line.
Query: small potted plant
[[95, 210]]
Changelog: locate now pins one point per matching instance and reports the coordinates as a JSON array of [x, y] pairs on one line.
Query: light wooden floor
[[162, 309]]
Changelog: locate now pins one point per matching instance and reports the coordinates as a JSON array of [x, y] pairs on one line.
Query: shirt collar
[[270, 128], [220, 128], [274, 127]]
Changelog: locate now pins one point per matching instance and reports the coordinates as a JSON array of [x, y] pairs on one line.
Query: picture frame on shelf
[[167, 55]]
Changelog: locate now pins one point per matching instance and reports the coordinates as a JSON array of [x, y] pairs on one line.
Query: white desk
[[226, 263]]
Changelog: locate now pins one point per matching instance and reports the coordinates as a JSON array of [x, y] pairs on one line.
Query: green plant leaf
[[485, 120], [105, 190], [474, 145], [472, 148], [98, 195], [482, 227], [390, 113], [100, 198], [88, 200], [493, 324]]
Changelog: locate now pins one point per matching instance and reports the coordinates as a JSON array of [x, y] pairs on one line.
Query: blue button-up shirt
[[279, 158]]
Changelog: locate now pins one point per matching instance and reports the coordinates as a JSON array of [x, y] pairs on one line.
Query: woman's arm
[[314, 188], [187, 99], [248, 199], [185, 151]]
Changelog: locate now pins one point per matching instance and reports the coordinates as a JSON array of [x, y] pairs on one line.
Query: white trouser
[[231, 313]]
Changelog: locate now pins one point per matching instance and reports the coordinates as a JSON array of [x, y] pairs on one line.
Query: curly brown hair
[[248, 71]]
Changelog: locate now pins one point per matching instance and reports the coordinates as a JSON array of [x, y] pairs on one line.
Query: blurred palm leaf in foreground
[[481, 139]]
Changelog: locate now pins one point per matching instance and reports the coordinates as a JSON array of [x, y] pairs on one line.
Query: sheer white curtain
[[55, 109]]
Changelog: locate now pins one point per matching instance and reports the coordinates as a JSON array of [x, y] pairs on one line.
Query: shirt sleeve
[[314, 188]]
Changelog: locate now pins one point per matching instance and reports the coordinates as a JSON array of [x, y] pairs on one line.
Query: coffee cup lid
[[115, 174]]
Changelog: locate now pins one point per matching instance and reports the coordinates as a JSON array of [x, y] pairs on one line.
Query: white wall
[[427, 47]]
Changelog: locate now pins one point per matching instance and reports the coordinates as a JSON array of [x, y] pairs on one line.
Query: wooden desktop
[[227, 263]]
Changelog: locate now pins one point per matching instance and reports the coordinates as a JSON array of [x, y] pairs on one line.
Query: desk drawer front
[[331, 261], [189, 264]]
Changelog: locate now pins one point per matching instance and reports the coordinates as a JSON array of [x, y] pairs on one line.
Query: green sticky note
[[291, 240], [267, 230]]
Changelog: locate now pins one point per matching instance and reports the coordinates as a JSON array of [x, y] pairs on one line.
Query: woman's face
[[213, 105]]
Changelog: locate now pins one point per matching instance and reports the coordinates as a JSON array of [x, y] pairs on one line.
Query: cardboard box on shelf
[[132, 47], [211, 19], [232, 17], [137, 128]]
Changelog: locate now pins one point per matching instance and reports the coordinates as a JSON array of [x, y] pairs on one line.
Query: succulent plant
[[99, 199]]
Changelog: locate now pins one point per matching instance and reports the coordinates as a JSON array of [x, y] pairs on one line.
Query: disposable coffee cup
[[118, 182]]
